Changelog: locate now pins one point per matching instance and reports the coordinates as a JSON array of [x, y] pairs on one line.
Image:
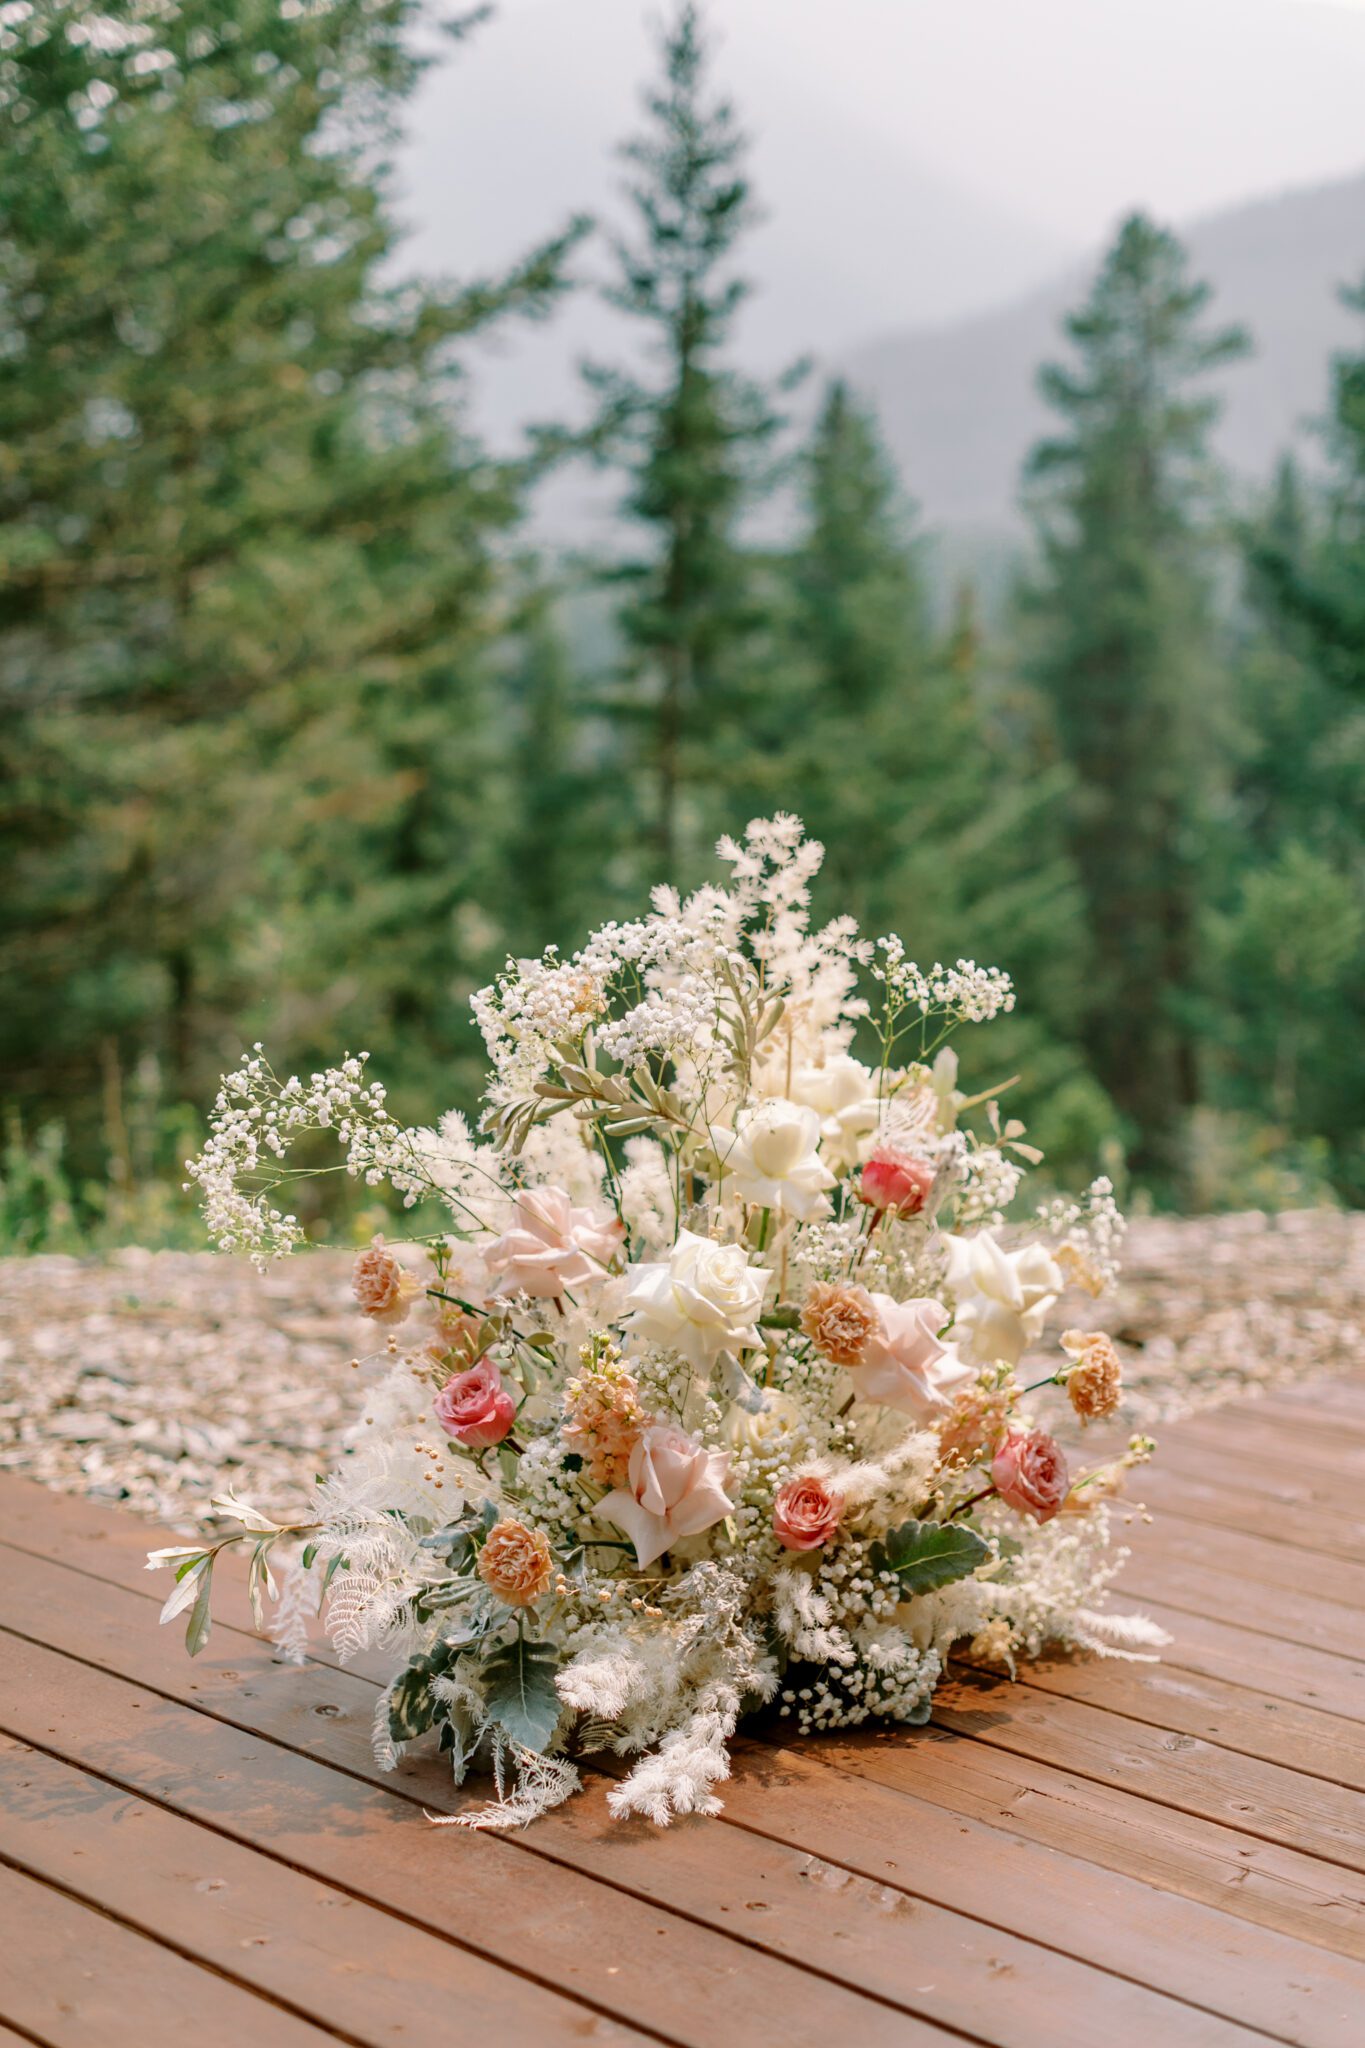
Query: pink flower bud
[[895, 1180]]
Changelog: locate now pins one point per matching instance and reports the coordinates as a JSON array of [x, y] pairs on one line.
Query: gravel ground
[[151, 1380]]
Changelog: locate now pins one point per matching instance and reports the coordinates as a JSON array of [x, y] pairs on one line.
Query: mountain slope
[[958, 403]]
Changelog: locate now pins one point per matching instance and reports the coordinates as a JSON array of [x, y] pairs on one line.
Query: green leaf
[[412, 1708], [310, 1551], [519, 1690], [928, 1554]]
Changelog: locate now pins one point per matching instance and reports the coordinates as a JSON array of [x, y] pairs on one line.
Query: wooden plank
[[317, 1950], [1243, 1970], [883, 1938], [1220, 1649], [1172, 1537], [492, 1894], [1274, 1481], [1198, 1498], [1216, 1710], [54, 1605], [1328, 1626], [1337, 1456], [1180, 1852], [75, 1979], [1338, 1404], [659, 1858]]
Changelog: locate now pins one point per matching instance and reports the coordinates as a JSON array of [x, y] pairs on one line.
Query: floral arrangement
[[707, 1395]]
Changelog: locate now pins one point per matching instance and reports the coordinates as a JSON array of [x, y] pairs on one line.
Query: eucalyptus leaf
[[412, 1707], [519, 1690], [924, 1555]]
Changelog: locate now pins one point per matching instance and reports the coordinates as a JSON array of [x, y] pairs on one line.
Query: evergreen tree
[[933, 825], [1127, 656], [1293, 931], [245, 559], [693, 437]]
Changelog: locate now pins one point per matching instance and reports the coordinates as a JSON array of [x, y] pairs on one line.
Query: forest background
[[305, 726]]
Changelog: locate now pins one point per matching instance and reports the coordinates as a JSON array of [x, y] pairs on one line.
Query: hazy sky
[[918, 158]]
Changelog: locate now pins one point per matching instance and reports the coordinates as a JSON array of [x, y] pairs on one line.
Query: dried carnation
[[383, 1288], [839, 1318], [515, 1563], [604, 1414], [1094, 1383]]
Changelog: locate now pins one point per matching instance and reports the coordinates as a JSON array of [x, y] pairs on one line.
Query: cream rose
[[905, 1364], [1002, 1297], [675, 1488], [771, 1159], [703, 1299], [843, 1094], [766, 1428]]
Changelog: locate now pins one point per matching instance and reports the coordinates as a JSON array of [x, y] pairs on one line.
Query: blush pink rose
[[675, 1487], [895, 1180], [1029, 1473], [552, 1246], [905, 1364], [806, 1514], [475, 1408]]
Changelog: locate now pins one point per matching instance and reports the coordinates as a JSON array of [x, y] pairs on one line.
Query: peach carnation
[[1095, 1382], [515, 1563], [839, 1319], [381, 1285]]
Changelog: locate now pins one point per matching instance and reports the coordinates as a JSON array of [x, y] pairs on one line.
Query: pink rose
[[675, 1487], [552, 1246], [1029, 1473], [475, 1408], [806, 1514], [904, 1363], [895, 1180]]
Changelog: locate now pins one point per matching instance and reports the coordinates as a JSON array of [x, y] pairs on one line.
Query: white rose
[[843, 1094], [771, 1159], [1002, 1297], [702, 1300]]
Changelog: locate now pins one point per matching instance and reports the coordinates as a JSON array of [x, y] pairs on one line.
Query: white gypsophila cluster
[[973, 994], [706, 1396], [254, 1118], [989, 1184], [1090, 1232]]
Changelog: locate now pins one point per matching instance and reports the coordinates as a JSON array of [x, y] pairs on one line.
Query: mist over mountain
[[958, 402]]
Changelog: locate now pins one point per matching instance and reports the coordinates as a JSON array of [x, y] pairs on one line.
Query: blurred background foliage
[[299, 736]]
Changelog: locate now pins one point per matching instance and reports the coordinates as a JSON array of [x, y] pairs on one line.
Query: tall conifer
[[1126, 654]]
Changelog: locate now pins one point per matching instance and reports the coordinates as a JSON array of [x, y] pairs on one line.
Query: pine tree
[[1127, 657], [1293, 932], [245, 559], [694, 441], [933, 826]]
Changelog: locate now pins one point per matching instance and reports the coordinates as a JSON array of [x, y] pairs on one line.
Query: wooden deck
[[204, 1853]]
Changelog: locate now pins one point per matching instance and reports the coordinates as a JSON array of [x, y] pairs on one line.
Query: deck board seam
[[105, 1776], [325, 2028], [545, 1855], [559, 1861]]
